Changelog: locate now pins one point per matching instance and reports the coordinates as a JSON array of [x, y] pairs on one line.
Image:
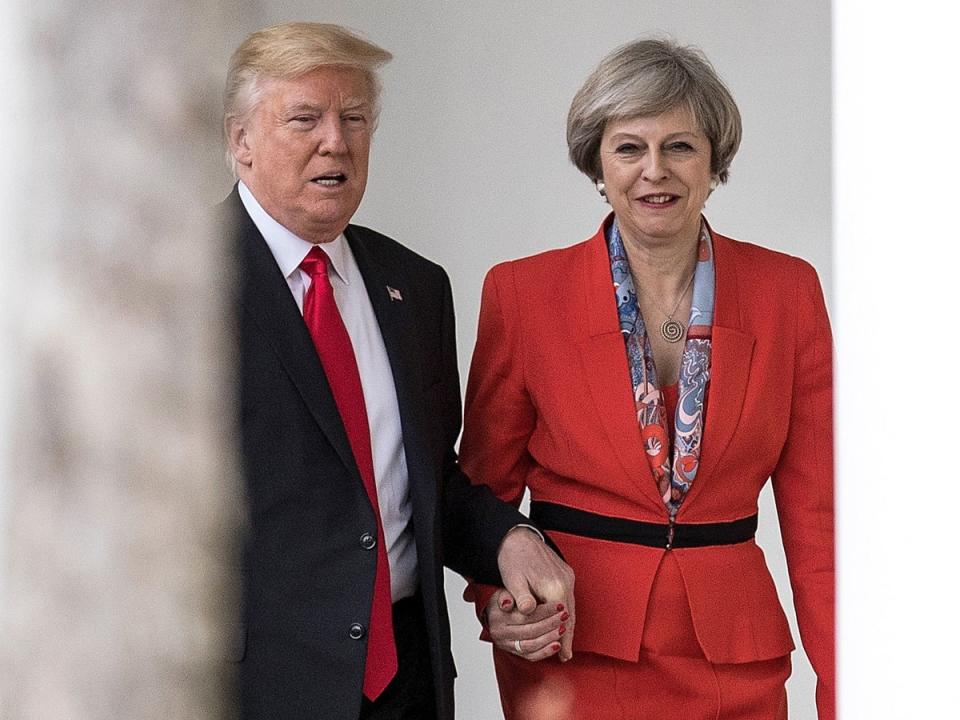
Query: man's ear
[[238, 138]]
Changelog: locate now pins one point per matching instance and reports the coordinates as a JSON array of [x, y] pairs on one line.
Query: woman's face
[[657, 176]]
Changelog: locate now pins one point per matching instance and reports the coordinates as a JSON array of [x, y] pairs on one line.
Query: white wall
[[469, 163], [897, 253]]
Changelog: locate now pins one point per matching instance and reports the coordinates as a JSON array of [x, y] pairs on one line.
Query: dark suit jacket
[[307, 578]]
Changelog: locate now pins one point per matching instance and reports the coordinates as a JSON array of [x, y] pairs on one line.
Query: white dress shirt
[[376, 376]]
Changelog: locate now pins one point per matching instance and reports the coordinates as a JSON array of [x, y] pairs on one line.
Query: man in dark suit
[[350, 408]]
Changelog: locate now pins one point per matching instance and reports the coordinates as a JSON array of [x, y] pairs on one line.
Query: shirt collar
[[289, 249]]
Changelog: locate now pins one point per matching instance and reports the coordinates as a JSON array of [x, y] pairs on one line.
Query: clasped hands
[[533, 615]]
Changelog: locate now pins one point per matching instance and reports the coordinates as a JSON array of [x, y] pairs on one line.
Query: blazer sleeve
[[803, 486], [500, 416], [474, 522]]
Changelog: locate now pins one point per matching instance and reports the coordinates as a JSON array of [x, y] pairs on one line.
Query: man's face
[[303, 150]]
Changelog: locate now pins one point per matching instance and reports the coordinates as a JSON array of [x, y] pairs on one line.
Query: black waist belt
[[550, 516]]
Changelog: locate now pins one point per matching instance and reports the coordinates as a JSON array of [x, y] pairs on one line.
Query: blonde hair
[[650, 77], [288, 51]]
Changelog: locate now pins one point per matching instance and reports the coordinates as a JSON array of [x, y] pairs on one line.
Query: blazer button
[[357, 631], [368, 541]]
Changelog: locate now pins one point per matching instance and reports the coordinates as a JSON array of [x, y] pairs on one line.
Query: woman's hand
[[534, 576], [534, 636]]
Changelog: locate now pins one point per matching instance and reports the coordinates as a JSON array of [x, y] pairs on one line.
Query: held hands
[[537, 599], [534, 636]]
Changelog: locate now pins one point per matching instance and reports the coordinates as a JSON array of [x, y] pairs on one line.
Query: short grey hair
[[288, 51], [645, 78]]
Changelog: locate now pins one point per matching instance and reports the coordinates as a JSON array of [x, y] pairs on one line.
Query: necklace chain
[[679, 300]]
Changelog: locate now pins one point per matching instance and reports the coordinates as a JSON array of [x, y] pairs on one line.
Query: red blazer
[[549, 408]]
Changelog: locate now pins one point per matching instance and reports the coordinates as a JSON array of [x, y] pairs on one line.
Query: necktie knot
[[315, 263]]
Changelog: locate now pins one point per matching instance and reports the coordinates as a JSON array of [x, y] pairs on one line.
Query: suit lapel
[[731, 354], [393, 313], [267, 299], [605, 366], [387, 285], [394, 300]]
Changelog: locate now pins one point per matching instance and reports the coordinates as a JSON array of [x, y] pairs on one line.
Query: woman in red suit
[[644, 385]]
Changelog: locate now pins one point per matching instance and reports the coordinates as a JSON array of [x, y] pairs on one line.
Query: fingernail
[[555, 647], [561, 630], [559, 607], [564, 617], [505, 603]]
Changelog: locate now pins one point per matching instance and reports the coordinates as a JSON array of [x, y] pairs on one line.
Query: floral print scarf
[[674, 469]]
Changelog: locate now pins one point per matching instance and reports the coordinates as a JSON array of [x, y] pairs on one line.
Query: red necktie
[[333, 345]]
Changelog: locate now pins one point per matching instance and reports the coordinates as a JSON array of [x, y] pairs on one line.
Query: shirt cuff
[[528, 527]]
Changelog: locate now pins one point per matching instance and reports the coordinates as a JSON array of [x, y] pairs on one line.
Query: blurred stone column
[[119, 496]]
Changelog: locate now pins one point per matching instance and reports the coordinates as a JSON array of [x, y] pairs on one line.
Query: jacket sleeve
[[803, 486], [474, 522], [500, 416]]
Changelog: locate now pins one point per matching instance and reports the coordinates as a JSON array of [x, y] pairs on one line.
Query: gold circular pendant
[[671, 330]]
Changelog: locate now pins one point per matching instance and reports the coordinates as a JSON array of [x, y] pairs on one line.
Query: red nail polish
[[505, 603], [559, 607], [565, 617], [561, 630], [555, 647]]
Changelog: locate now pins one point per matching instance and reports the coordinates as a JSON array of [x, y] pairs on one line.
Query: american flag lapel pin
[[394, 294]]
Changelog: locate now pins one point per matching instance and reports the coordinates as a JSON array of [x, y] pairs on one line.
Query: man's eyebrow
[[304, 107], [349, 104], [355, 104]]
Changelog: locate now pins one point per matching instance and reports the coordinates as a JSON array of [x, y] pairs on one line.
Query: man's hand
[[533, 576]]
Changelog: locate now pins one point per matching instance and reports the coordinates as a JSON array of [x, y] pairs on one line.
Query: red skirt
[[671, 679]]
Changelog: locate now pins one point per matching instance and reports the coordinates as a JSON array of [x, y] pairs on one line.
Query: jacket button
[[357, 631], [368, 541]]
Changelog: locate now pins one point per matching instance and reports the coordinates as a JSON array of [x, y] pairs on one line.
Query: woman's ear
[[601, 188]]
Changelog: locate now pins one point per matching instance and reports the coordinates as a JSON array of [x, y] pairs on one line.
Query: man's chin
[[323, 224]]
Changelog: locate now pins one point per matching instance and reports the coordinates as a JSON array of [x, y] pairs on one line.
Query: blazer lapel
[[731, 354], [267, 299], [605, 366]]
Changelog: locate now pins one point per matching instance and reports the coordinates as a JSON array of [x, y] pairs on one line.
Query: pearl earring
[[602, 189], [714, 184]]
